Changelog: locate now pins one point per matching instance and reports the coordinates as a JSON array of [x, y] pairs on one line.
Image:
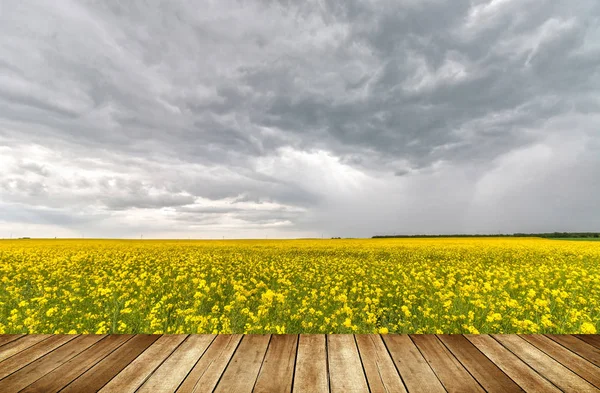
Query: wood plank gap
[[592, 339], [15, 347], [577, 346], [208, 370], [555, 372], [312, 375], [411, 365], [242, 371], [277, 371], [8, 338], [31, 354], [346, 372], [451, 373], [570, 360], [173, 371], [139, 370], [47, 363], [484, 370], [105, 370], [71, 370], [382, 375]]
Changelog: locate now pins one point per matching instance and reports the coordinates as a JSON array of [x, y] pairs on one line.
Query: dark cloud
[[350, 117]]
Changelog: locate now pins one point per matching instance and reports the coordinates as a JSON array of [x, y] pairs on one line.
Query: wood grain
[[412, 366], [277, 371], [381, 373], [479, 366], [311, 365]]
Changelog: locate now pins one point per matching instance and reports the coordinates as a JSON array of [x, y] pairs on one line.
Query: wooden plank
[[555, 372], [33, 353], [413, 368], [382, 376], [277, 371], [311, 364], [136, 373], [96, 377], [481, 368], [580, 347], [37, 369], [242, 371], [592, 339], [448, 369], [12, 348], [208, 370], [65, 374], [7, 338], [512, 366], [346, 373], [567, 358], [173, 371]]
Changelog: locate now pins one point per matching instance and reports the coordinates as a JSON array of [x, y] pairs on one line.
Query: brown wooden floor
[[305, 363]]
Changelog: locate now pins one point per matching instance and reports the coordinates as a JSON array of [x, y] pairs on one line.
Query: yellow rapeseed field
[[484, 285]]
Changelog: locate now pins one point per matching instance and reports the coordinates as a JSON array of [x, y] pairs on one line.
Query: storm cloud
[[295, 119]]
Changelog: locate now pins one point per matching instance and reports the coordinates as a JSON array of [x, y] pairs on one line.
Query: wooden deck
[[305, 363]]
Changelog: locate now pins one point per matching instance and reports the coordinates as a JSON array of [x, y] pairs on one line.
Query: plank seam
[[98, 362], [227, 365], [131, 361], [461, 363], [484, 355], [394, 363], [564, 365], [24, 349], [429, 364], [527, 364], [196, 362], [155, 368], [363, 366], [19, 336], [572, 350], [263, 361], [66, 361], [35, 360], [295, 361]]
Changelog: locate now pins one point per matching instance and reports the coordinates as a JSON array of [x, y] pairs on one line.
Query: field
[[475, 285]]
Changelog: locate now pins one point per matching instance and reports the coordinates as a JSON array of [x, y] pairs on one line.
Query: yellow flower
[[587, 328]]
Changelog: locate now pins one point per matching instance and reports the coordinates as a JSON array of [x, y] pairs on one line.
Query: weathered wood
[[512, 366], [381, 373], [552, 370], [174, 370], [96, 377], [208, 370], [34, 352], [299, 363], [450, 372], [69, 371], [311, 364], [14, 347], [136, 373], [590, 339], [480, 366], [42, 366], [567, 358], [345, 368], [580, 347], [7, 338], [277, 371], [413, 368], [242, 371]]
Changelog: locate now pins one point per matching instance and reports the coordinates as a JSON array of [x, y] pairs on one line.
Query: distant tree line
[[553, 235]]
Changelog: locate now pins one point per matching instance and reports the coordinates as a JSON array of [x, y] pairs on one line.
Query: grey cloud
[[318, 107]]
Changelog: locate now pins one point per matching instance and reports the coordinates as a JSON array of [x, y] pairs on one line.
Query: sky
[[286, 119]]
